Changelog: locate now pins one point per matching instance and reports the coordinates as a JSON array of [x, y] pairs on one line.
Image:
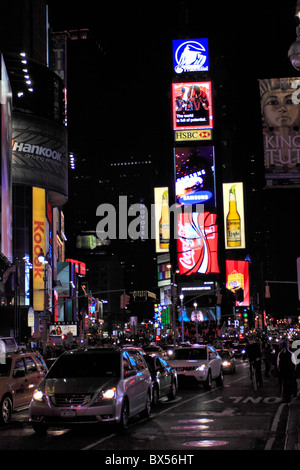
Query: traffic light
[[124, 300]]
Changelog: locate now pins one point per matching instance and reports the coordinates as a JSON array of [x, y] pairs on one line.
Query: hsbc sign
[[193, 135]]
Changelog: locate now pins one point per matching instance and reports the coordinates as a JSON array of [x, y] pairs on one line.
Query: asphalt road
[[232, 417]]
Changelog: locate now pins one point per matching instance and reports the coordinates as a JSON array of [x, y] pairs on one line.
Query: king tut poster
[[280, 112]]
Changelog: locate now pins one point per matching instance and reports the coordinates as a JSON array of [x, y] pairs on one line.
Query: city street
[[233, 417]]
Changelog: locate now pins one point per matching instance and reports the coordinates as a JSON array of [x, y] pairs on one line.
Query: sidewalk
[[292, 438]]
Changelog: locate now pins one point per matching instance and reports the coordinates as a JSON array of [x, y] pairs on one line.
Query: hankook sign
[[39, 154]]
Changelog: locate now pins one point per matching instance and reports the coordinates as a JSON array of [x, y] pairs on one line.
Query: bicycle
[[253, 376]]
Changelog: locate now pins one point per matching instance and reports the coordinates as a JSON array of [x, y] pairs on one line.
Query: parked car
[[20, 374], [93, 385], [164, 377], [200, 364], [228, 361]]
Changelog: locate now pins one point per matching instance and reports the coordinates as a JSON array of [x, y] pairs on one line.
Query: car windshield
[[86, 365], [190, 354], [5, 366]]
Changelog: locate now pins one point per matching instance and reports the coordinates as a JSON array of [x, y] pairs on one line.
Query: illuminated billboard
[[39, 155], [6, 163], [280, 113], [234, 217], [192, 105], [195, 175], [197, 243], [162, 219], [193, 135], [199, 315], [38, 244], [190, 55], [237, 280]]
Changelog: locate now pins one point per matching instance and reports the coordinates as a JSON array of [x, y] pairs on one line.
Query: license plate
[[67, 413]]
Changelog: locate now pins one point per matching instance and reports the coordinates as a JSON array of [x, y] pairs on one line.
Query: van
[[93, 385]]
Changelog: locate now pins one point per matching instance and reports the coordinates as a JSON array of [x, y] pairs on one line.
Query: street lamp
[[44, 260], [173, 299], [182, 328], [196, 319]]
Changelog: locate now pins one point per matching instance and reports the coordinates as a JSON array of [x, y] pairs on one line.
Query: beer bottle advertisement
[[234, 215]]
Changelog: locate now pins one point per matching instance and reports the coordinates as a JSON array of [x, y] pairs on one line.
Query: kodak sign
[[38, 243]]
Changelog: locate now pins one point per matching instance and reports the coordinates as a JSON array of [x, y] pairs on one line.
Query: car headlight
[[202, 367], [38, 395], [109, 394], [226, 363]]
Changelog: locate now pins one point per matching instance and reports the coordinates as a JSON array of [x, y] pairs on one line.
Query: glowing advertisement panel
[[234, 217], [190, 55], [197, 243], [192, 105], [237, 279], [6, 164], [199, 315], [280, 111], [38, 244], [195, 175], [162, 219]]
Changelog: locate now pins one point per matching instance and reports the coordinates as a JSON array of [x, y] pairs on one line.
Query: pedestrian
[[254, 354], [267, 358], [286, 369]]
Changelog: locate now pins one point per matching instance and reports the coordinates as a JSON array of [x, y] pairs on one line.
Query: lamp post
[[44, 260], [173, 299], [182, 328], [196, 319]]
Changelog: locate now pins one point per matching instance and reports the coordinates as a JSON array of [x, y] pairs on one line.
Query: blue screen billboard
[[190, 55]]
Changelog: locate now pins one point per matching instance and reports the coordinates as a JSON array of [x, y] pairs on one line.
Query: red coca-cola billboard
[[197, 243]]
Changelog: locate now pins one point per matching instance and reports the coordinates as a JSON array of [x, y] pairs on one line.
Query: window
[[30, 365], [41, 364], [19, 366]]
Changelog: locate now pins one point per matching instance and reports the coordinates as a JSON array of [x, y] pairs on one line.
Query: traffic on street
[[197, 402]]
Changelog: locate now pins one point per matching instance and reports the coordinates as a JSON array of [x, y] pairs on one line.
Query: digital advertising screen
[[192, 105], [237, 280], [190, 55], [195, 175], [6, 164], [197, 243], [162, 219], [234, 217], [199, 314]]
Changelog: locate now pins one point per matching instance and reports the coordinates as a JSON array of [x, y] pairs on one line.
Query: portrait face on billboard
[[192, 105], [281, 130], [195, 175]]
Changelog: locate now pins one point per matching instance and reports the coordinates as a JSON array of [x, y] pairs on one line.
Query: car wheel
[[173, 391], [40, 429], [6, 410], [208, 381], [155, 395], [219, 379], [124, 415], [147, 411]]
